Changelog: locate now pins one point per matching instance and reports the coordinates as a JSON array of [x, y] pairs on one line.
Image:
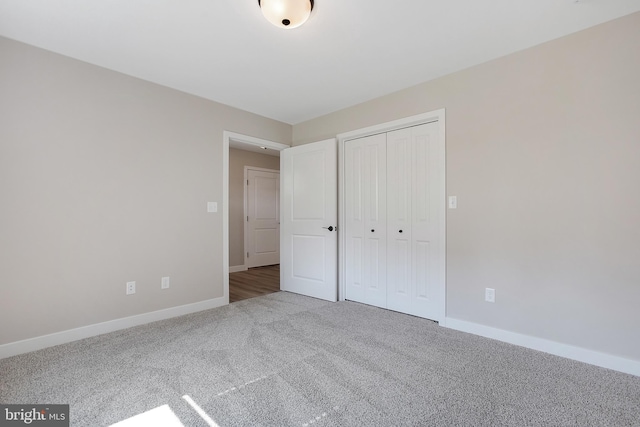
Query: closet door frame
[[433, 116]]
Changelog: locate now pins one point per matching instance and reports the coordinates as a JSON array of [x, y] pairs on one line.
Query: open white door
[[309, 214]]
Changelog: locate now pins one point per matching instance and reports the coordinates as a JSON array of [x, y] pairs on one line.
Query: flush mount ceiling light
[[286, 13]]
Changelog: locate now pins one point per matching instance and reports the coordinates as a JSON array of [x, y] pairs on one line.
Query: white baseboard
[[621, 364], [37, 343], [237, 268]]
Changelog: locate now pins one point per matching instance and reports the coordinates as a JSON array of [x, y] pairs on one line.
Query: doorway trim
[[419, 119], [227, 136]]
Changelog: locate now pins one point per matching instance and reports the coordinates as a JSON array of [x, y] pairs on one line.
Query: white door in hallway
[[262, 231], [309, 214]]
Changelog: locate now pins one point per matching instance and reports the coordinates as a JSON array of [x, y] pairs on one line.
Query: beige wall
[[104, 179], [543, 152], [238, 159]]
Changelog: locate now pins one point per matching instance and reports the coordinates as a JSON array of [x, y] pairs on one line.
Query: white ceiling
[[348, 52]]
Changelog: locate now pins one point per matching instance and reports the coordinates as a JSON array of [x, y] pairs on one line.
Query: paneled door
[[394, 245], [263, 218], [366, 220], [309, 214], [415, 184]]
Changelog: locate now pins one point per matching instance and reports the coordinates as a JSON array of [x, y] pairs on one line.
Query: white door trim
[[246, 205], [249, 141], [433, 116]]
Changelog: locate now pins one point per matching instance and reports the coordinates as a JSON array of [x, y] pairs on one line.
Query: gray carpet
[[288, 360]]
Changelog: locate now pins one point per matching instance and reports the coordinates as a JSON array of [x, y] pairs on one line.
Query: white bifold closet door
[[415, 247], [366, 226], [394, 221]]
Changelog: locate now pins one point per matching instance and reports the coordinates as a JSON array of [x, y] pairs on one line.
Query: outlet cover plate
[[131, 288], [165, 282], [490, 295]]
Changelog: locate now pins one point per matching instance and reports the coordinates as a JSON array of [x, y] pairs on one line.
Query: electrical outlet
[[131, 288], [489, 295], [164, 283]]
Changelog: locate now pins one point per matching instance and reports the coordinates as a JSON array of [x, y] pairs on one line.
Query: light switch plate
[[453, 202], [212, 206]]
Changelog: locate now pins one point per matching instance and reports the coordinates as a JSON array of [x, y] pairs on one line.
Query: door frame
[[249, 141], [419, 119], [246, 204]]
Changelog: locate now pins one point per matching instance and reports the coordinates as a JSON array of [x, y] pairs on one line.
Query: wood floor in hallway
[[254, 282]]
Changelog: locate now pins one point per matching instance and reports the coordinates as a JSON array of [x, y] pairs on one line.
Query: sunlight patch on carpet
[[200, 411], [162, 416]]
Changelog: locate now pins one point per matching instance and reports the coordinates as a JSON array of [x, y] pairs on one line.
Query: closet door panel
[[375, 220], [399, 220], [354, 227], [365, 212], [422, 271], [426, 280]]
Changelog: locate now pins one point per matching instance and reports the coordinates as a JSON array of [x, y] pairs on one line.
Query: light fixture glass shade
[[286, 13]]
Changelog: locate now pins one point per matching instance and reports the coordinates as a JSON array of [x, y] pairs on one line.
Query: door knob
[[372, 230], [330, 228], [399, 231]]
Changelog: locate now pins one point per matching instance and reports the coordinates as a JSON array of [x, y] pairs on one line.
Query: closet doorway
[[392, 214]]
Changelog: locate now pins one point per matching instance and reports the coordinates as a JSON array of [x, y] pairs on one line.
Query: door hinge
[[247, 254], [247, 182], [247, 218]]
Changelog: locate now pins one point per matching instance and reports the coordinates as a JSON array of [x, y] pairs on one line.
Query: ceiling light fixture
[[286, 13]]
